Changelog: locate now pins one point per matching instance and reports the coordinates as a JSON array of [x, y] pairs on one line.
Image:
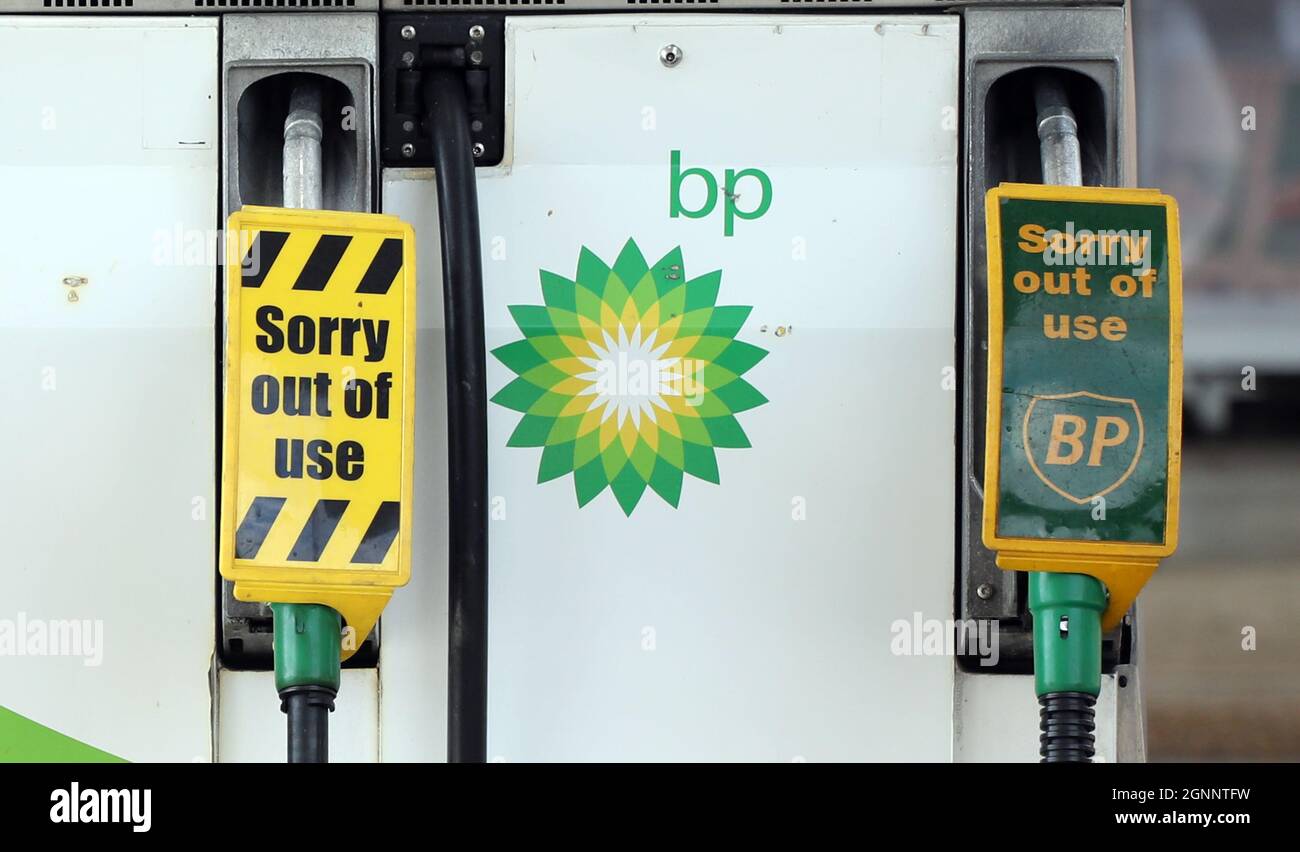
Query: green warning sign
[[1085, 373]]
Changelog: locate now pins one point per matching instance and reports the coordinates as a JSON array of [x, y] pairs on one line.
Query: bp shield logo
[[1083, 445], [629, 376]]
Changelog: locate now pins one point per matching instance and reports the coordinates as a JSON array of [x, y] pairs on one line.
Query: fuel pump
[[1082, 447], [607, 170]]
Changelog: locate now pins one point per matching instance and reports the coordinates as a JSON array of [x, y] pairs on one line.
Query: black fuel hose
[[462, 285], [1066, 724]]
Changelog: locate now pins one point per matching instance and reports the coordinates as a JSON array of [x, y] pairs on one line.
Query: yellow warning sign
[[319, 410], [1083, 429]]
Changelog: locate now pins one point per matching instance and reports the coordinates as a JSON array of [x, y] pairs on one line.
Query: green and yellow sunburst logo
[[629, 376]]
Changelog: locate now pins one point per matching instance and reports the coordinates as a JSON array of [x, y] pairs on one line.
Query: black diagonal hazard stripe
[[255, 525], [379, 537], [320, 265], [317, 531], [261, 256], [383, 269]]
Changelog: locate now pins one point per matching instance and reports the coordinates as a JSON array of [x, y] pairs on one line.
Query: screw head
[[670, 55], [479, 149], [476, 57], [476, 32], [984, 591], [408, 32], [408, 150]]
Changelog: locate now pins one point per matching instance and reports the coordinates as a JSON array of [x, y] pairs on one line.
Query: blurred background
[[1218, 103]]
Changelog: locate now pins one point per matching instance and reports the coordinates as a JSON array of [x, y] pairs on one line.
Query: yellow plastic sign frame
[[359, 594], [1124, 567]]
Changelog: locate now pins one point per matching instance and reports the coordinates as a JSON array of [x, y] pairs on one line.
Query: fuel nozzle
[[308, 640], [1067, 611], [1066, 608]]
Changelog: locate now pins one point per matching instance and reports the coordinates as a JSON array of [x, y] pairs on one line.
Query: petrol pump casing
[[782, 612], [753, 619]]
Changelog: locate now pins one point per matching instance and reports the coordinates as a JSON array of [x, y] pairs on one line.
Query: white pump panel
[[754, 620], [107, 303]]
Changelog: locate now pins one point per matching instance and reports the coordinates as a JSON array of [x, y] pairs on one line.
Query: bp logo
[[1083, 445], [629, 376]]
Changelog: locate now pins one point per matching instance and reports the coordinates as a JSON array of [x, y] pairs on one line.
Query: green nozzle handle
[[307, 640], [1067, 612]]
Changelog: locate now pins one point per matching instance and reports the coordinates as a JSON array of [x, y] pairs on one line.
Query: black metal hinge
[[413, 45]]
